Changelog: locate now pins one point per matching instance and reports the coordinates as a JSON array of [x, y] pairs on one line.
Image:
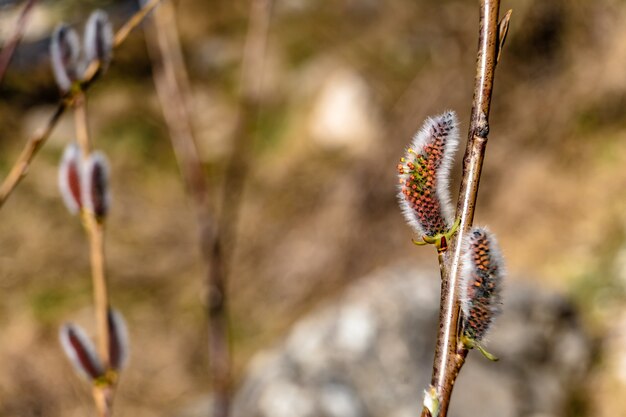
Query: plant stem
[[172, 88], [95, 232], [250, 97], [100, 290], [103, 394], [450, 354], [20, 167], [18, 30], [134, 21], [80, 124], [171, 85]]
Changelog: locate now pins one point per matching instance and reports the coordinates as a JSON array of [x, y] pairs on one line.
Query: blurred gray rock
[[369, 353]]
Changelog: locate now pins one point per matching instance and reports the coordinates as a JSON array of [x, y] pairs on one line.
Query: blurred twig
[[20, 167], [18, 31], [250, 96], [173, 90], [103, 394], [450, 353], [170, 81]]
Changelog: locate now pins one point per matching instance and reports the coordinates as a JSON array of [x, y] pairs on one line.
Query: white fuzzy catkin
[[482, 274], [118, 341], [98, 41], [69, 178], [424, 175], [80, 351], [95, 185], [65, 56]]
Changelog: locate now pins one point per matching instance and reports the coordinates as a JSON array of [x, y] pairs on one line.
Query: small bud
[[99, 39], [80, 351], [481, 283], [64, 53], [95, 185], [431, 401], [70, 178], [118, 340], [424, 175]]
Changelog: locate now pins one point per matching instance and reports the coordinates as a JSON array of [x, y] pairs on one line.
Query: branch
[[103, 394], [14, 39], [450, 353], [20, 167], [249, 105], [171, 82], [172, 88]]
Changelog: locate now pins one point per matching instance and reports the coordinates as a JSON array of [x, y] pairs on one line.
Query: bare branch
[[171, 85], [18, 31]]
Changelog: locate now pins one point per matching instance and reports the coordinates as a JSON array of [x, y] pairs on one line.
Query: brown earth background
[[346, 83]]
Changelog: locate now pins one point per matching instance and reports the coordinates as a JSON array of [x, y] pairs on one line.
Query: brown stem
[[450, 354], [80, 124], [18, 30], [103, 395], [248, 112], [20, 167], [100, 291], [170, 82], [134, 21], [173, 91]]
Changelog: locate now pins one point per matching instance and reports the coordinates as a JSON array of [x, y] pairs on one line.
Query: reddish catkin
[[80, 351], [118, 340], [424, 176], [70, 173], [481, 283], [95, 185]]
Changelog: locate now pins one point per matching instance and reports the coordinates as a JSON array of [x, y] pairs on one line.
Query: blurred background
[[345, 84]]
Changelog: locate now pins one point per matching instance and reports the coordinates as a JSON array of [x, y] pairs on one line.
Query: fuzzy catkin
[[80, 351], [481, 282], [118, 340], [98, 39], [69, 179], [95, 185], [424, 176], [65, 57]]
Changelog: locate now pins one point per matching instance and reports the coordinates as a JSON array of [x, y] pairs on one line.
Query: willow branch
[[450, 354], [249, 105], [18, 31], [20, 167], [172, 87], [95, 232]]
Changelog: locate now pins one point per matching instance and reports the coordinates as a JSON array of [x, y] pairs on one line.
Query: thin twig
[[100, 290], [95, 232], [134, 21], [450, 353], [173, 90], [170, 82], [80, 124], [18, 31], [20, 167], [103, 393], [249, 105]]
